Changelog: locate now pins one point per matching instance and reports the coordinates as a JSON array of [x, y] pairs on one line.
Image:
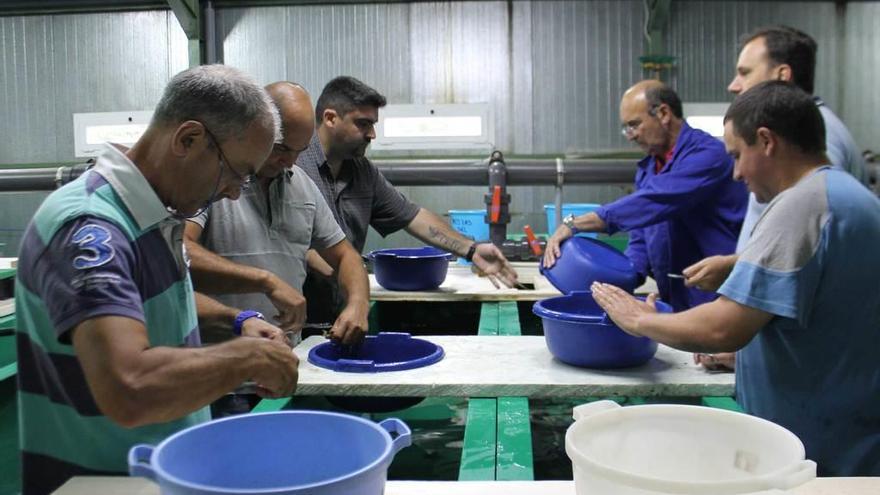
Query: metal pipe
[[408, 172], [520, 171], [560, 180], [38, 179]]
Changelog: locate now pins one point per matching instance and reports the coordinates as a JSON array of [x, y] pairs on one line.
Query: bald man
[[251, 253], [686, 205]]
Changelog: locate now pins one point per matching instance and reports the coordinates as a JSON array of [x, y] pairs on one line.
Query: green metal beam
[[271, 405], [189, 15], [478, 451], [8, 370], [513, 455], [722, 403]]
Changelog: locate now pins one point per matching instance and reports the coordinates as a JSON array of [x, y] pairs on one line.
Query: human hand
[[289, 302], [722, 361], [256, 327], [709, 273], [552, 251], [275, 370], [351, 326], [492, 263], [623, 309]]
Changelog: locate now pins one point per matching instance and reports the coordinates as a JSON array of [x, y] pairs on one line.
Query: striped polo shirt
[[102, 245]]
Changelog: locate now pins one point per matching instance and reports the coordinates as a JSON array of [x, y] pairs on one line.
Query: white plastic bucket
[[677, 449]]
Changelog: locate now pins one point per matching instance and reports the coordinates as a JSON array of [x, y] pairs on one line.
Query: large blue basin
[[578, 332], [584, 260], [422, 268], [287, 452]]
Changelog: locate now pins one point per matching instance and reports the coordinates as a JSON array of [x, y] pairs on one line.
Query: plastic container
[[583, 261], [577, 209], [287, 452], [471, 223], [387, 351], [411, 269], [579, 333], [678, 449]]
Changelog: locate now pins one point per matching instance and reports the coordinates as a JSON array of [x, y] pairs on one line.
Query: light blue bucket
[[470, 223], [277, 453], [577, 209]]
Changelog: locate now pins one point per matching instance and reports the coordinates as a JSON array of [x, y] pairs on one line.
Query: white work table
[[518, 366], [462, 284], [87, 485]]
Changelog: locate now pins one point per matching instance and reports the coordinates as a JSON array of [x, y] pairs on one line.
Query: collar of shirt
[[132, 187]]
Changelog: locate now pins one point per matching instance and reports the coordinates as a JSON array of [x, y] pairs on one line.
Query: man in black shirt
[[360, 196]]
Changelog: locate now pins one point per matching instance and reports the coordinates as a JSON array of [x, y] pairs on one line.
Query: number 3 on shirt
[[94, 241]]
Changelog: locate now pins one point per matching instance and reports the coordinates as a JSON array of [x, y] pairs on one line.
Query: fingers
[[652, 299]]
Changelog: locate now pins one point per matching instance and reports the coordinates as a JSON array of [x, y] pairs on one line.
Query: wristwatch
[[245, 315], [470, 253], [568, 221]]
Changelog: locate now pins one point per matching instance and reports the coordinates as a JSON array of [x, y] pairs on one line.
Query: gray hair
[[226, 100]]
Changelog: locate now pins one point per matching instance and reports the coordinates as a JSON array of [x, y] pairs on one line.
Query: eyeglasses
[[630, 127], [283, 148], [244, 180]]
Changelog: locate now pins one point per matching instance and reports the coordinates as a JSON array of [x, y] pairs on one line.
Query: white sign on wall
[[434, 127], [92, 130], [708, 117]]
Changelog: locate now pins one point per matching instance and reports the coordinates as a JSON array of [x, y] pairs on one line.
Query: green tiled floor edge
[[728, 403], [498, 434]]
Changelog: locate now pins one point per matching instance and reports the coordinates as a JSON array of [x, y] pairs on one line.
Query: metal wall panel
[[312, 44], [53, 66], [704, 35], [861, 74], [58, 65]]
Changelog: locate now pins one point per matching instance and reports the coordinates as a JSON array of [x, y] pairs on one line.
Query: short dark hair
[[787, 45], [344, 94], [783, 108], [657, 95]]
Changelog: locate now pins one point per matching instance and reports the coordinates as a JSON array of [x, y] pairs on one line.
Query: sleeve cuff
[[605, 214]]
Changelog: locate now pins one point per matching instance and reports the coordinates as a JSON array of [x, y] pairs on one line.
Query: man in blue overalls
[[686, 205]]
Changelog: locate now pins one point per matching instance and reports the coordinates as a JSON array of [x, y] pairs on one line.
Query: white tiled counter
[[519, 366]]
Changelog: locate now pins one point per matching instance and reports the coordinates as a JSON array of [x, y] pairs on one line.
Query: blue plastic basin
[[584, 260], [577, 332], [422, 268], [288, 452], [387, 351]]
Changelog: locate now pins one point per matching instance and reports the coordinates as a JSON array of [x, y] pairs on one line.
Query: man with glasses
[[801, 305], [253, 251], [686, 205], [109, 351]]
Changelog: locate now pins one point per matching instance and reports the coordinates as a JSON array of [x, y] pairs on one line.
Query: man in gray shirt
[[361, 197], [252, 252]]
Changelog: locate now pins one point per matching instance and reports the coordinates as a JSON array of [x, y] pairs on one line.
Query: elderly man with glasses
[[686, 205], [108, 342]]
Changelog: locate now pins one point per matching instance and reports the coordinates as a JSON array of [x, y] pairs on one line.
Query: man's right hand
[[552, 251], [275, 371], [709, 273], [289, 302]]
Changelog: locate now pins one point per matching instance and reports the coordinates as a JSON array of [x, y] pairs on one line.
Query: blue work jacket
[[691, 209]]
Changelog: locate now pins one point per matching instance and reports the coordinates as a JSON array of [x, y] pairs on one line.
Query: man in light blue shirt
[[801, 305], [777, 53]]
